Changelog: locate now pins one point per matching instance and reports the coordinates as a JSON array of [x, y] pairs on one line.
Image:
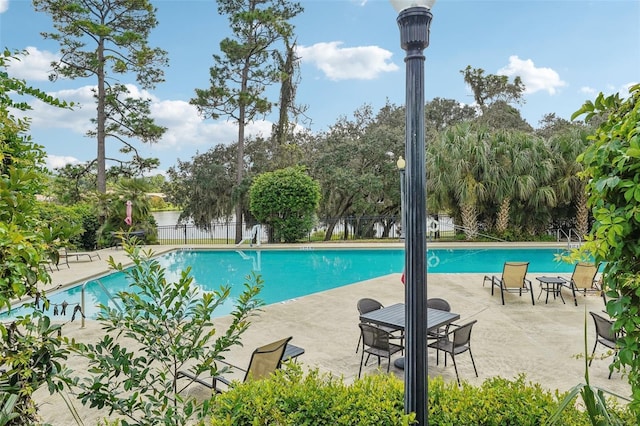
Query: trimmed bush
[[290, 397]]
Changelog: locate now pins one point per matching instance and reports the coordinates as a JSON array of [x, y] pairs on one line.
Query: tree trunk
[[469, 220], [101, 134], [582, 213], [502, 221]]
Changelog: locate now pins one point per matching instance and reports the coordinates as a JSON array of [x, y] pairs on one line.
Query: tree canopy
[[102, 40]]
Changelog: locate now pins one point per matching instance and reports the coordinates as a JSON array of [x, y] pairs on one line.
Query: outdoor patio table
[[394, 316], [551, 284]]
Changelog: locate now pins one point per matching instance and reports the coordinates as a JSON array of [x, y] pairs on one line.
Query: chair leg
[[473, 363], [531, 291], [455, 367], [359, 340], [361, 360], [502, 294], [575, 297], [593, 353]]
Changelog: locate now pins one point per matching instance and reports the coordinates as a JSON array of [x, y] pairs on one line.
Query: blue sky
[[565, 51]]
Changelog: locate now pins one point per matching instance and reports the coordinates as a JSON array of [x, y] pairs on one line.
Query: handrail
[[568, 237], [82, 298]]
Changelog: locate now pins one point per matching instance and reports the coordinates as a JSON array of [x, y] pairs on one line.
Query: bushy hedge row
[[291, 397]]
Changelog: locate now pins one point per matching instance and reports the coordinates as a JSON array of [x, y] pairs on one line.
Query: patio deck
[[544, 341]]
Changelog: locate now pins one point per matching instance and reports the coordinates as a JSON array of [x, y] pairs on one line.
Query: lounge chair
[[583, 279], [456, 341], [513, 280], [264, 361], [77, 254], [605, 335], [376, 342]]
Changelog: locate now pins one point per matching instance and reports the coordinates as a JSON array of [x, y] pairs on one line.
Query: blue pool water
[[290, 274]]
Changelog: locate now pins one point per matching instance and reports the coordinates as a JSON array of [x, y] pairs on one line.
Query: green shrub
[[290, 397]]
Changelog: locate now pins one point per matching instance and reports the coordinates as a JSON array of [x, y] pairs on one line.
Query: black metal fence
[[342, 229]]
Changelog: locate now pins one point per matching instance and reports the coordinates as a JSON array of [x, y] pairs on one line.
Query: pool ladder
[[82, 298]]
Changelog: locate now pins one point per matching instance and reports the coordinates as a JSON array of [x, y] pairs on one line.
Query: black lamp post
[[401, 164], [414, 18]]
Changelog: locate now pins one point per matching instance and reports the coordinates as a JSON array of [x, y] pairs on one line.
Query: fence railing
[[343, 229]]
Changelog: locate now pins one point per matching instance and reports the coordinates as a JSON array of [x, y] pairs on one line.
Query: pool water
[[289, 274]]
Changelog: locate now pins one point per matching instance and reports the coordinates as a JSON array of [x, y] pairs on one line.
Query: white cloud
[[586, 90], [35, 66], [346, 63], [534, 79], [4, 5], [58, 161], [187, 129]]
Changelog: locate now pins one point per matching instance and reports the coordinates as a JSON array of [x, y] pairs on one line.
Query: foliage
[[115, 212], [286, 200], [611, 171], [290, 397], [499, 401], [103, 40], [171, 325], [203, 187], [31, 356], [249, 63], [355, 164], [488, 89]]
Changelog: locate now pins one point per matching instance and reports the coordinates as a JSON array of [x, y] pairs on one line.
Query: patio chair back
[[462, 336], [438, 303], [514, 273], [605, 335], [367, 305], [266, 359], [584, 275]]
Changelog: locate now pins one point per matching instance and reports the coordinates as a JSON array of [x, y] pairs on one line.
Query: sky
[[565, 51]]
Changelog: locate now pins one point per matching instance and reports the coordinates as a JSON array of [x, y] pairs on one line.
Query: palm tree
[[521, 167], [570, 187], [457, 161]]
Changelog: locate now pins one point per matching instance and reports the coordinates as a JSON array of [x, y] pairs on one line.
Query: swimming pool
[[289, 274]]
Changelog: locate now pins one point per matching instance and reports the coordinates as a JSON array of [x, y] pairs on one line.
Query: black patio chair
[[366, 305], [455, 342], [605, 335], [376, 342]]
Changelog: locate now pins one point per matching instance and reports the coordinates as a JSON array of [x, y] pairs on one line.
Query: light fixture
[[401, 163], [400, 5]]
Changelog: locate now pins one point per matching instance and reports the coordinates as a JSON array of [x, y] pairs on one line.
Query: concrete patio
[[545, 341]]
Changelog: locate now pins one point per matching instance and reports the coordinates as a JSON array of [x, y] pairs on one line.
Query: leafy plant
[[290, 397], [286, 200], [157, 329], [612, 172], [31, 355]]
